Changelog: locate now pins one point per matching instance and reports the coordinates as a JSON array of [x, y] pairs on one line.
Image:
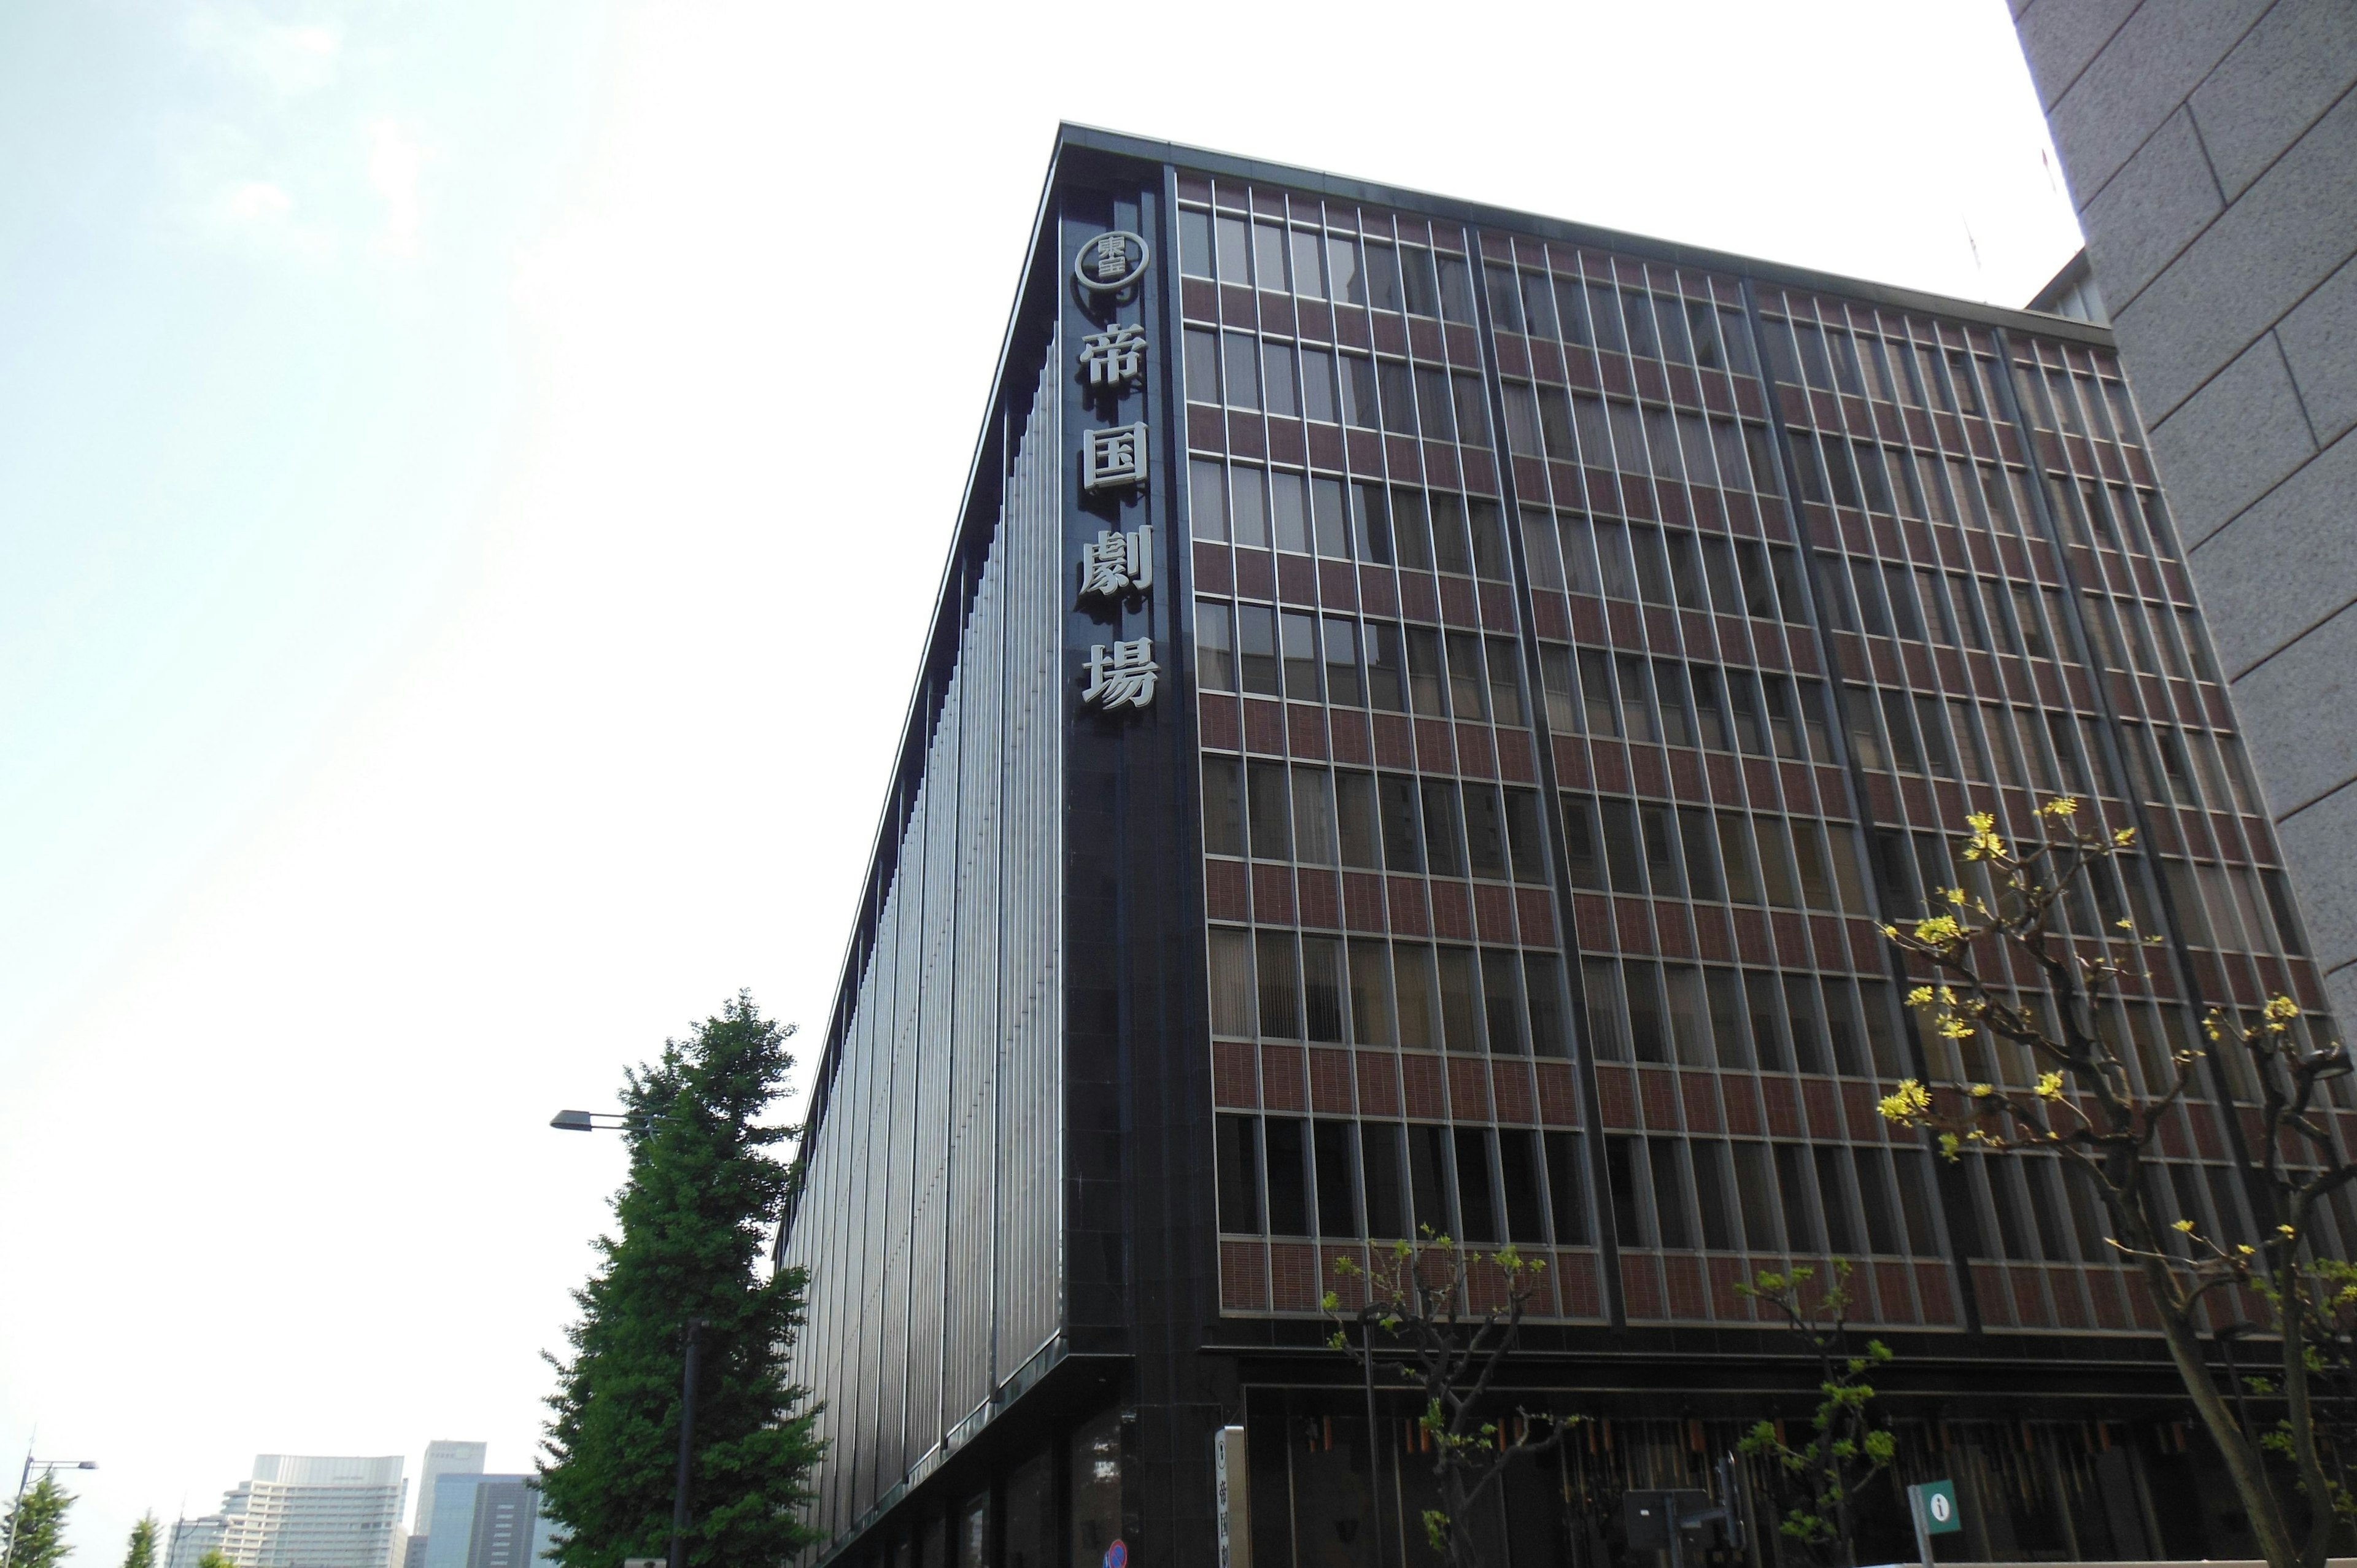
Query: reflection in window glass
[[1257, 650], [1342, 683], [1426, 681], [1277, 368], [1386, 683], [1350, 285], [1443, 842], [1243, 380], [1223, 806], [1215, 646], [1231, 982], [1194, 243], [1466, 690], [1268, 255], [1206, 499], [1309, 277], [1248, 499], [1235, 262], [1318, 386], [1297, 631]]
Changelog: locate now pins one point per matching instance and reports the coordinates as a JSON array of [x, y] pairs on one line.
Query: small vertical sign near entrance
[[1235, 1498], [1934, 1504]]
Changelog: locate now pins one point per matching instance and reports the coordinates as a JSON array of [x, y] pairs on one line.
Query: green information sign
[[1934, 1503]]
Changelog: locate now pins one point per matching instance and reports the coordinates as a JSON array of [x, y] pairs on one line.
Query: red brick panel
[[1234, 1082], [1284, 1079]]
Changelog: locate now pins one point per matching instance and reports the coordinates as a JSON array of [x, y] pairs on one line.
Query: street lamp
[[607, 1120], [46, 1467]]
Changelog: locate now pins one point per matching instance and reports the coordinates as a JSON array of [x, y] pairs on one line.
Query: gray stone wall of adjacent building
[[2212, 150]]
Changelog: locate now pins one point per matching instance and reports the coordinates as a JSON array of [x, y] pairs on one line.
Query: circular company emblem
[[1117, 1555], [1110, 261], [1940, 1508]]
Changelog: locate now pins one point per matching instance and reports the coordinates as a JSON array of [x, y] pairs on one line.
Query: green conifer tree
[[34, 1534], [702, 1191], [141, 1552]]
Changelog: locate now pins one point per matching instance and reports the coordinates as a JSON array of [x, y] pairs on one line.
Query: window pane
[[1370, 992], [1379, 1149], [1257, 650], [1235, 262], [1248, 497], [1194, 243], [1355, 821], [1268, 255], [1426, 679], [1289, 1185], [1280, 989], [1307, 276], [1460, 1016], [1240, 1186], [1467, 691], [1335, 1161], [1444, 847], [1215, 644], [1277, 369], [1206, 499], [1288, 505], [1502, 996], [1386, 685], [1318, 386], [1231, 982], [1313, 815], [1298, 630], [1321, 987], [1223, 806], [1242, 379], [1342, 683], [1402, 836], [1412, 975], [1268, 796]]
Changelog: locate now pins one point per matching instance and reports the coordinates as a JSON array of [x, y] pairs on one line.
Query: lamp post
[[605, 1122], [24, 1481]]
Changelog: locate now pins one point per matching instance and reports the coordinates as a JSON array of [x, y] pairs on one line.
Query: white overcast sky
[[471, 479]]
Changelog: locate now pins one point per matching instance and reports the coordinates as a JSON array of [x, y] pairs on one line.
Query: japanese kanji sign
[[1118, 563], [1125, 674], [1113, 460]]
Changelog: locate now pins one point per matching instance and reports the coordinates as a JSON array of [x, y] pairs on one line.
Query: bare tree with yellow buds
[[1452, 1318], [2086, 1106]]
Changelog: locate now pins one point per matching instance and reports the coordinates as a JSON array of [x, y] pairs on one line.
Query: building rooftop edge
[[1676, 252]]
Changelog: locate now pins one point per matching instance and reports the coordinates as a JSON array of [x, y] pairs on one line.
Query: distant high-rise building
[[191, 1538], [308, 1512], [486, 1522], [443, 1457]]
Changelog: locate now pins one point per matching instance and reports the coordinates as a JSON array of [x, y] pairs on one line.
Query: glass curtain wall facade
[[1572, 649]]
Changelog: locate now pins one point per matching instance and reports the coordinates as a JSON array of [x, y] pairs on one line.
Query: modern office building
[[191, 1538], [486, 1521], [1425, 709], [2210, 150], [442, 1459], [309, 1511]]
